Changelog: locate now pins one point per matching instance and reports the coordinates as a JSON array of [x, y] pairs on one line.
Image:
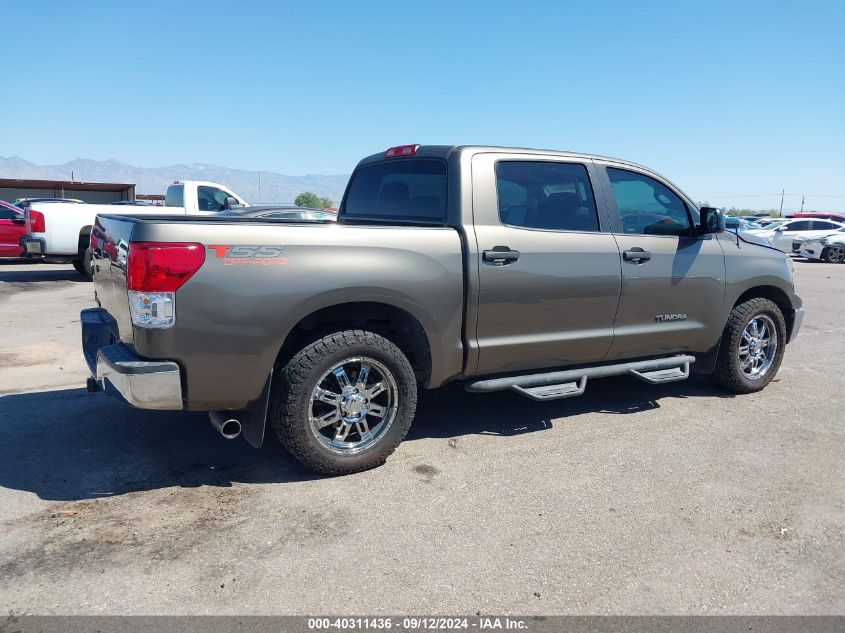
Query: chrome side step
[[572, 382]]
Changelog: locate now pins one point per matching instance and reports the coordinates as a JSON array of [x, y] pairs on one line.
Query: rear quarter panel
[[231, 320]]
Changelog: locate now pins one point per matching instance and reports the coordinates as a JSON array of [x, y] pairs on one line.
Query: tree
[[325, 203], [308, 199]]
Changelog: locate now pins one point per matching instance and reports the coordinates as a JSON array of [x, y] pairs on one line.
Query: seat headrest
[[394, 195]]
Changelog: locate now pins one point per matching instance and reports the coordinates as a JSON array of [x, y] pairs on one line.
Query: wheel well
[[775, 295], [393, 323], [84, 239]]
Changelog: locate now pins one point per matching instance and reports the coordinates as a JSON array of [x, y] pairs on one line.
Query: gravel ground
[[633, 499]]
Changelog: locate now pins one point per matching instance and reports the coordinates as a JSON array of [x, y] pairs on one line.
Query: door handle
[[500, 255], [636, 255]]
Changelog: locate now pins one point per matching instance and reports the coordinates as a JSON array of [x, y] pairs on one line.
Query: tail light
[[154, 272], [36, 222]]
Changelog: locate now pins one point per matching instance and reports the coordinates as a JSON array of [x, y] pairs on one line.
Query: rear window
[[404, 189], [175, 196]]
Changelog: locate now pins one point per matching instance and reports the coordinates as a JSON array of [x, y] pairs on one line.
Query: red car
[[12, 227], [823, 216]]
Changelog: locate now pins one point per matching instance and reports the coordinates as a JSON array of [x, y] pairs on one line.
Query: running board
[[572, 382]]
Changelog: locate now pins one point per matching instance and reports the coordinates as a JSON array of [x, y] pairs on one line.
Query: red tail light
[[36, 222], [401, 150], [162, 266]]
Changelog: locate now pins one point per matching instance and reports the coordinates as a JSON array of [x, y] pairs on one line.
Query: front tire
[[752, 346], [344, 402], [835, 254]]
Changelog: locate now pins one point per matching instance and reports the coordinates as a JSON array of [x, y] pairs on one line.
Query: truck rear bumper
[[32, 246], [117, 369]]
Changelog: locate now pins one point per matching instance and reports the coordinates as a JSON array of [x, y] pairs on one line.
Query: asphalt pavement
[[633, 499]]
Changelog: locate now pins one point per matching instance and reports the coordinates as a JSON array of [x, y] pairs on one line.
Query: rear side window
[[403, 189], [211, 198], [646, 206], [546, 195], [175, 196]]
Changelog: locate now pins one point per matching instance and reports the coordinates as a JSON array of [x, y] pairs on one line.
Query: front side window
[[546, 195], [404, 189], [647, 206], [211, 198], [800, 225]]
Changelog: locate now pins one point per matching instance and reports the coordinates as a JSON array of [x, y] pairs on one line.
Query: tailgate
[[110, 247]]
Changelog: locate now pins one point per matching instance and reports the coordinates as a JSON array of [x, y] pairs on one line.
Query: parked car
[[782, 235], [26, 203], [740, 224], [838, 217], [533, 271], [281, 212], [770, 223], [827, 248], [61, 232], [12, 228]]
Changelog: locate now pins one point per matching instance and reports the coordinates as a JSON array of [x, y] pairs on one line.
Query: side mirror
[[712, 221], [232, 203], [778, 229]]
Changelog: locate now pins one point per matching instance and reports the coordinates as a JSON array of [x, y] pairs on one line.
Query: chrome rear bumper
[[116, 368]]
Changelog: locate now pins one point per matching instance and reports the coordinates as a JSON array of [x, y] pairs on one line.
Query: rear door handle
[[500, 255], [636, 255]]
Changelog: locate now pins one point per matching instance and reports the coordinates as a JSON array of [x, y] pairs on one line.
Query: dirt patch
[[427, 471], [168, 525], [18, 359]]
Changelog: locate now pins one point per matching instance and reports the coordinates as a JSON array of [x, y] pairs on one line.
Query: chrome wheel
[[835, 254], [758, 347], [353, 405]]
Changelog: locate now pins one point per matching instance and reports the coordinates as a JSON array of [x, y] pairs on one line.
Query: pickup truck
[[60, 231], [503, 269]]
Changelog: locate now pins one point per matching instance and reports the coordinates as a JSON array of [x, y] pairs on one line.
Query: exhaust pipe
[[230, 428]]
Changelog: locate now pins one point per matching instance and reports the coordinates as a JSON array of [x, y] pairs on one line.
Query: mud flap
[[254, 419]]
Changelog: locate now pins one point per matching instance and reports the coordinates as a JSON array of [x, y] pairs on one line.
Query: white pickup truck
[[61, 232]]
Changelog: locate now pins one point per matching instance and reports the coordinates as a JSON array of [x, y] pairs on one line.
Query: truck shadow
[[70, 445], [8, 273], [450, 411]]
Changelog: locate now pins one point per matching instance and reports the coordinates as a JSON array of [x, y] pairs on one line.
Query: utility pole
[[782, 191], [802, 204]]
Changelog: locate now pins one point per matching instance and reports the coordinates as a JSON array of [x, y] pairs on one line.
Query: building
[[12, 189]]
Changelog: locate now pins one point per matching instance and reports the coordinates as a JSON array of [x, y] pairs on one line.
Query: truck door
[[11, 230], [673, 280], [548, 277]]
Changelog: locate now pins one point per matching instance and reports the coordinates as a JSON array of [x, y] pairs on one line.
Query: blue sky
[[728, 99]]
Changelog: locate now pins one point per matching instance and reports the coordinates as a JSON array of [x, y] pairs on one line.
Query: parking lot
[[632, 499]]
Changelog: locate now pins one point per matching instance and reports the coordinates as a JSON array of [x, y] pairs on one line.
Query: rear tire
[[85, 266], [752, 346], [334, 416]]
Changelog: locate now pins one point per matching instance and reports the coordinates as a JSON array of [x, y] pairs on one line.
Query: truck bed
[[247, 307]]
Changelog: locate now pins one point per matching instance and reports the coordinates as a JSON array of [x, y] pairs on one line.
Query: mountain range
[[275, 188]]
